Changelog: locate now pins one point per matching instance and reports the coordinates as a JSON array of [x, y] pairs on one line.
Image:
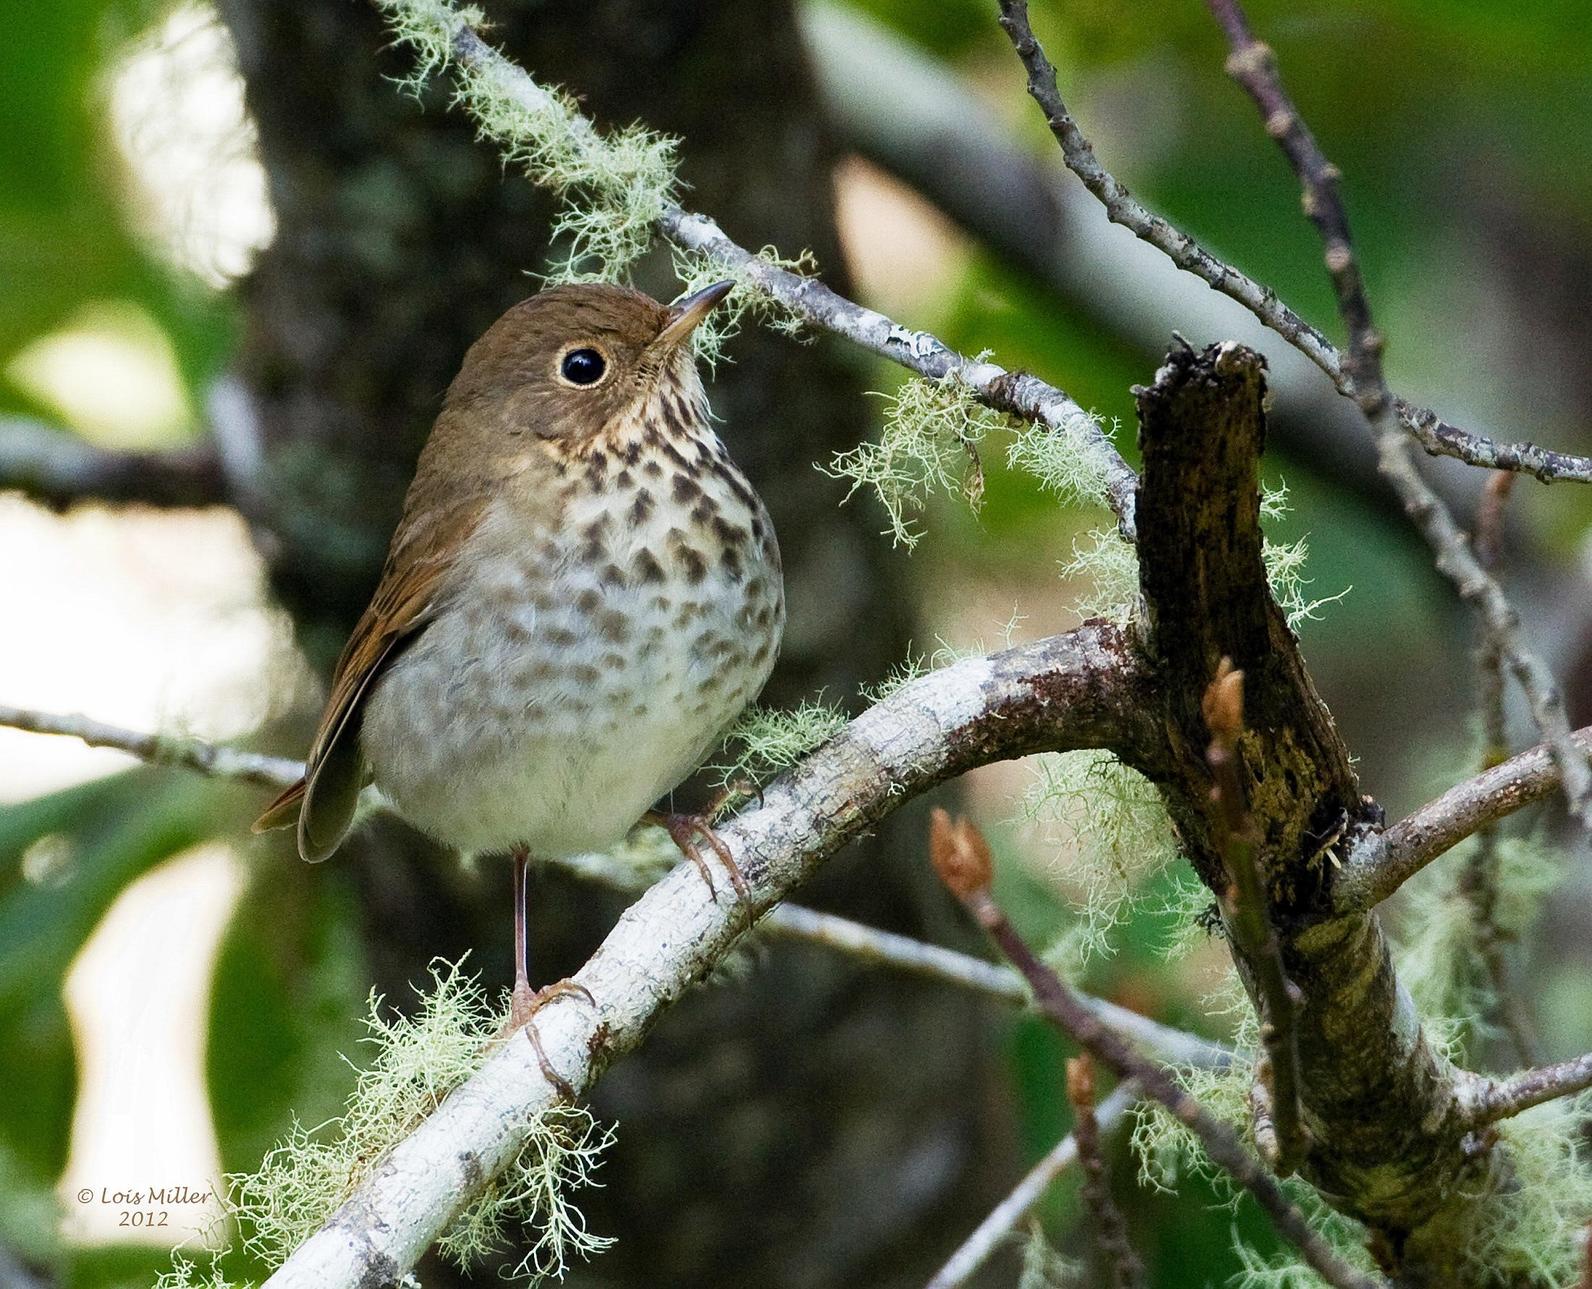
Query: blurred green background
[[131, 205]]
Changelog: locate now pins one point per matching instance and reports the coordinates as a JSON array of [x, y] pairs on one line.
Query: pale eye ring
[[583, 366]]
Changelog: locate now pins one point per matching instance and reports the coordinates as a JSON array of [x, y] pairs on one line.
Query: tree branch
[[1246, 909], [817, 306], [784, 921], [1254, 66], [1490, 1100], [213, 759], [962, 860], [1074, 690], [55, 467], [1379, 864], [1434, 434], [1110, 1232]]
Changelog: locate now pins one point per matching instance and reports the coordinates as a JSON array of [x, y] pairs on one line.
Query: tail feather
[[283, 812]]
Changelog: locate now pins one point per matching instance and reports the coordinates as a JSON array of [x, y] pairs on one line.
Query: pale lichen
[[417, 1060], [613, 187], [766, 740], [748, 301], [1043, 1267], [1108, 568], [1064, 460], [1110, 833], [1439, 958], [928, 445]]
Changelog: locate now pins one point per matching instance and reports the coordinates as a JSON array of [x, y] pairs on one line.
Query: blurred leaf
[[109, 832], [289, 991]]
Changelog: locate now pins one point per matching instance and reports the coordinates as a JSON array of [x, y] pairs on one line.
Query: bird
[[582, 593]]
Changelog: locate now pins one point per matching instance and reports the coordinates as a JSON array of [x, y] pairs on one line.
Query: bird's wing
[[323, 800]]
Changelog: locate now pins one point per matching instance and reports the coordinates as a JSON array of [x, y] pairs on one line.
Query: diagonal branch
[[785, 921], [1433, 433], [1381, 863], [213, 759], [1077, 690], [961, 858], [821, 308], [1490, 1100], [1253, 65]]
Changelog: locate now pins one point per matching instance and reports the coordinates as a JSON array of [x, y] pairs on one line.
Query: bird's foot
[[685, 830], [524, 1003]]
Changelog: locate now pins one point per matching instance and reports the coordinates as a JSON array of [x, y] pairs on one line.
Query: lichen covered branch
[[1381, 863], [1078, 690], [491, 81], [1247, 912], [1494, 1099]]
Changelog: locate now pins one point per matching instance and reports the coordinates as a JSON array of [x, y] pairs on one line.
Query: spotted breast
[[589, 653]]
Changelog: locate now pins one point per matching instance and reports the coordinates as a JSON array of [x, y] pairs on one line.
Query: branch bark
[[823, 309], [1379, 864], [867, 944], [1387, 1140], [1254, 66], [1490, 1100], [1078, 690]]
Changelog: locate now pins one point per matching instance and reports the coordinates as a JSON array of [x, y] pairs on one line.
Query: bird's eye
[[583, 366]]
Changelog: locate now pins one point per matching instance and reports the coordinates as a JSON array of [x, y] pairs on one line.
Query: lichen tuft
[[928, 445]]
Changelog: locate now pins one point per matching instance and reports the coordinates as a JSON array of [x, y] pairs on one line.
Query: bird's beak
[[688, 311]]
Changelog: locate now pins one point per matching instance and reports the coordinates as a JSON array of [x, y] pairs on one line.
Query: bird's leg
[[525, 1002], [520, 1008], [684, 829]]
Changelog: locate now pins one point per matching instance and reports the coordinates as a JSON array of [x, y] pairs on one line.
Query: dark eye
[[583, 366]]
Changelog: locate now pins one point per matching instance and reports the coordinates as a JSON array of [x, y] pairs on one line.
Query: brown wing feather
[[405, 598]]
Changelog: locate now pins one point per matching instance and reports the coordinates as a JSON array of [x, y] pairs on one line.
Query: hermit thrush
[[583, 591]]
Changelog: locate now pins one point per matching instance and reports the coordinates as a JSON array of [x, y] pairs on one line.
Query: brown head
[[568, 362]]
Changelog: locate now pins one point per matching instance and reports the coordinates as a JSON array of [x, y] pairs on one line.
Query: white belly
[[548, 708]]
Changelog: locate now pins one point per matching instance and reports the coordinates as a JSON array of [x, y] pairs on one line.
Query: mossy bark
[[1387, 1142]]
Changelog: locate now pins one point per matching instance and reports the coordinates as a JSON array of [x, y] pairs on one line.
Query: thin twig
[[1434, 434], [213, 759], [1247, 909], [977, 1249], [1381, 863], [1489, 1100], [1479, 882], [1123, 1267], [1254, 66], [962, 860]]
